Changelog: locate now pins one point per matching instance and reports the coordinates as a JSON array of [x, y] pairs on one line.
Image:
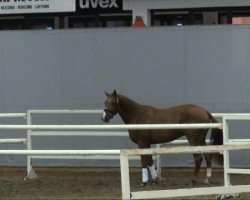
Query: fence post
[[158, 162], [31, 174], [226, 152], [125, 181]]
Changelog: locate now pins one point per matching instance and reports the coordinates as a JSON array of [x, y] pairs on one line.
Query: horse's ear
[[115, 93], [107, 94]]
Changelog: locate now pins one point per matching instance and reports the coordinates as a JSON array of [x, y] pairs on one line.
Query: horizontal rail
[[13, 141], [184, 149], [237, 117], [237, 141], [12, 115], [94, 111], [79, 133], [98, 111], [65, 111], [189, 192], [82, 157], [238, 171], [60, 152], [112, 127], [219, 115]]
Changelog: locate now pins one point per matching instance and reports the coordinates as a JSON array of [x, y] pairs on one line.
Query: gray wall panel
[[91, 64], [213, 67], [150, 60], [32, 70], [70, 69], [2, 80]]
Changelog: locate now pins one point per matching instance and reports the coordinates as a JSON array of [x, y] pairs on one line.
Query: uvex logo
[[85, 4]]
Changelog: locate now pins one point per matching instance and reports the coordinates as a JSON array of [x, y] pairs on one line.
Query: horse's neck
[[129, 109]]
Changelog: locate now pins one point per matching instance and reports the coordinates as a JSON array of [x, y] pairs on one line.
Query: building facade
[[64, 14]]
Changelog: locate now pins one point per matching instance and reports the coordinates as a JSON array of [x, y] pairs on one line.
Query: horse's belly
[[157, 137]]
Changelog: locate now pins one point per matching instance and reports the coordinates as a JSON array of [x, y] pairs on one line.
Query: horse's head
[[111, 106]]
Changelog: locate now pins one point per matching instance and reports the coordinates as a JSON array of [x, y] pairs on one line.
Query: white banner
[[36, 6]]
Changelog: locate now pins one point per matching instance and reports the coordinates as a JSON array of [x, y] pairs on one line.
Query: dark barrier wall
[[70, 69]]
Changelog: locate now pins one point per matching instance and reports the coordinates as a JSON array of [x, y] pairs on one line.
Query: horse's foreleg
[[147, 163], [208, 158], [197, 161]]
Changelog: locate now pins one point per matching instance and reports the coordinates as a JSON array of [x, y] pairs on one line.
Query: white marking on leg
[[153, 172], [209, 172], [144, 175], [103, 114], [208, 176]]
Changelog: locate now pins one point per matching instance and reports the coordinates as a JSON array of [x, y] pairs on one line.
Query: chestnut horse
[[134, 113]]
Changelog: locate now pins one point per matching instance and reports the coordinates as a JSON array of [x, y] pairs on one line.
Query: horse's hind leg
[[198, 158], [196, 138], [208, 158], [152, 170]]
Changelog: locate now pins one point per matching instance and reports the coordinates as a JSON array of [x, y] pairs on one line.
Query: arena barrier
[[30, 133], [126, 194], [124, 155]]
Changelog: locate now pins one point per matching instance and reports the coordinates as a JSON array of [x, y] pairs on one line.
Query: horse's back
[[187, 113]]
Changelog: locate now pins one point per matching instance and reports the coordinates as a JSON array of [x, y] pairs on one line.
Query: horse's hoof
[[155, 181], [207, 181], [143, 184], [194, 181]]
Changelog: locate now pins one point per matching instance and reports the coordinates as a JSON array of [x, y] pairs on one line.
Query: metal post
[[226, 152], [125, 176], [31, 174]]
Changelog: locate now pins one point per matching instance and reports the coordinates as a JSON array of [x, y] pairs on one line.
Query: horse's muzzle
[[106, 116]]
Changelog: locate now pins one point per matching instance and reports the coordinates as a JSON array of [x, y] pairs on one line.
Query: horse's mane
[[127, 100]]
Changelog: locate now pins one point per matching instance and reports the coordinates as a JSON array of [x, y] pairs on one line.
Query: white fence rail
[[110, 127], [12, 115]]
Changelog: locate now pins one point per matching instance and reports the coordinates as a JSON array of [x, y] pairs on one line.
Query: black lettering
[[7, 7]]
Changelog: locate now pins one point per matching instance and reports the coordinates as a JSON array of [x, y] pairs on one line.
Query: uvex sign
[[100, 5]]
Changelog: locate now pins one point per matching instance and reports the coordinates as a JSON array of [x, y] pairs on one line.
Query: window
[[241, 20], [175, 18], [11, 24], [42, 23]]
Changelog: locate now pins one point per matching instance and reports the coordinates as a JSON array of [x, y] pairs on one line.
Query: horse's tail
[[216, 138]]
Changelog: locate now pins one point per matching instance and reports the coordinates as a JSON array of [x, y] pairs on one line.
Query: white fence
[[126, 193], [63, 132], [226, 189], [228, 145]]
